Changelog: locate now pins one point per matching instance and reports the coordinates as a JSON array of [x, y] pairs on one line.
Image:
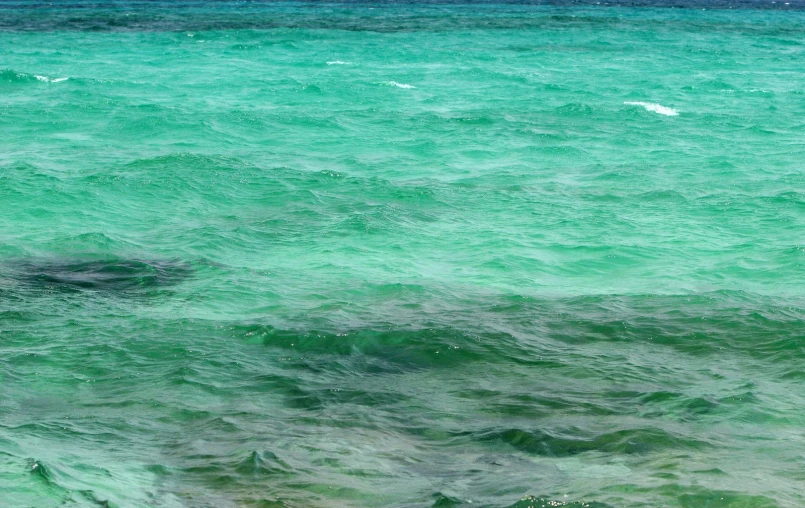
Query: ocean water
[[408, 255]]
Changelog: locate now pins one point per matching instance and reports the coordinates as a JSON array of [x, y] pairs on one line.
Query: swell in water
[[241, 267]]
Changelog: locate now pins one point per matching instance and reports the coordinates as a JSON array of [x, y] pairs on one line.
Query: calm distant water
[[369, 255]]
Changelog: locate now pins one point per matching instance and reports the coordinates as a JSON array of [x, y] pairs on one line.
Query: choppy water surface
[[401, 255]]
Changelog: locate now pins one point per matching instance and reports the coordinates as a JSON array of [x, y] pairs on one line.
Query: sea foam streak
[[50, 80], [656, 108], [399, 85], [337, 62]]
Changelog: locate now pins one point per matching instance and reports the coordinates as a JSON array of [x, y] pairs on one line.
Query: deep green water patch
[[106, 274]]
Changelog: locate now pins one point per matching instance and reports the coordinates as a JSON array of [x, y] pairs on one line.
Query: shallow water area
[[395, 254]]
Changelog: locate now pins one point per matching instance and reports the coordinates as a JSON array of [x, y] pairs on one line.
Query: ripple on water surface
[[272, 254]]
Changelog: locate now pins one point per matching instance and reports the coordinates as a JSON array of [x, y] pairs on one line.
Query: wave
[[623, 442], [398, 85], [655, 108], [49, 80], [12, 76]]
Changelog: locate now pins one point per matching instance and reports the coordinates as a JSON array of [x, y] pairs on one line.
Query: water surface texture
[[365, 255]]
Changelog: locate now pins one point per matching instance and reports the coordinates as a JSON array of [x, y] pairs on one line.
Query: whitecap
[[337, 62], [49, 80], [655, 108], [399, 85]]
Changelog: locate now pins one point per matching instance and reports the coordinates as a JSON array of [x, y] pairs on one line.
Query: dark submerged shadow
[[107, 274]]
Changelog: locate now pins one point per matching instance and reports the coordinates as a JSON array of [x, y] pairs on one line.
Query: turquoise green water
[[505, 256]]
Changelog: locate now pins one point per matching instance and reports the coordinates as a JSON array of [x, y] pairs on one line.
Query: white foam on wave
[[399, 85], [655, 108], [49, 80], [337, 62]]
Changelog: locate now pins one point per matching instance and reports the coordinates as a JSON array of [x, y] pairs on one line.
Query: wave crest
[[655, 108]]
